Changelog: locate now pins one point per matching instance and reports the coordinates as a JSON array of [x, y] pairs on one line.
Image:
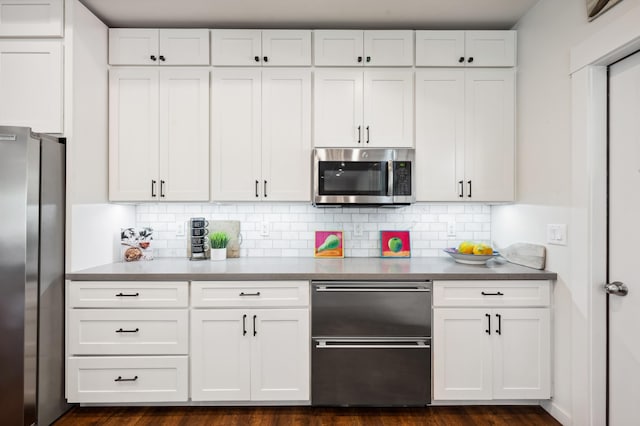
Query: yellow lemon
[[482, 248], [466, 247]]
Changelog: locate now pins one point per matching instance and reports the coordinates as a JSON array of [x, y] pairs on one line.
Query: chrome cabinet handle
[[120, 330], [408, 289], [488, 329], [371, 344], [617, 288]]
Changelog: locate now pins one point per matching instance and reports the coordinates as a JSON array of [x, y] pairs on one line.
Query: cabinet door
[[133, 135], [461, 354], [338, 48], [280, 355], [286, 48], [31, 85], [184, 47], [388, 48], [286, 134], [236, 47], [440, 49], [338, 108], [133, 46], [521, 354], [388, 108], [490, 48], [235, 123], [184, 134], [33, 18], [489, 135], [220, 355], [439, 134]]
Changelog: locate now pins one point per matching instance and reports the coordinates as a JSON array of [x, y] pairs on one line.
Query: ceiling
[[399, 14]]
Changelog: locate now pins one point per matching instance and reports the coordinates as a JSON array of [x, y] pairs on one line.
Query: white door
[[338, 48], [388, 108], [489, 135], [388, 48], [184, 47], [235, 142], [33, 18], [133, 46], [338, 108], [184, 134], [435, 48], [462, 354], [440, 134], [220, 355], [286, 48], [490, 48], [133, 135], [286, 134], [521, 353], [624, 204], [236, 47], [31, 84], [280, 355]]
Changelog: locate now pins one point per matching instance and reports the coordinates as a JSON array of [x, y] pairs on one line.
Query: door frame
[[589, 87]]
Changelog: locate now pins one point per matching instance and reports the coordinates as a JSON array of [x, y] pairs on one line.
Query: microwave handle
[[390, 180]]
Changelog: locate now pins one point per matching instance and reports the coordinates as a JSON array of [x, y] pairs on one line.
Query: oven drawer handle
[[327, 344], [373, 289]]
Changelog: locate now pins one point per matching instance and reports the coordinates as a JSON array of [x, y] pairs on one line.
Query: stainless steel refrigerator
[[32, 211]]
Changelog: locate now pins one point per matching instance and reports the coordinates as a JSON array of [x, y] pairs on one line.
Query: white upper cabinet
[[261, 47], [363, 108], [31, 86], [465, 134], [33, 18], [363, 48], [466, 48], [142, 46], [158, 134]]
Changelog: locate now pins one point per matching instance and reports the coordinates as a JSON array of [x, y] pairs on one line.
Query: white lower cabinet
[[250, 354], [490, 352]]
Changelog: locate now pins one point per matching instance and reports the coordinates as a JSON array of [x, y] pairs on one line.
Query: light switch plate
[[264, 229], [557, 234], [451, 228]]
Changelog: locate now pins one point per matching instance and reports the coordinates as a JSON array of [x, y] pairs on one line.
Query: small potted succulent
[[219, 241]]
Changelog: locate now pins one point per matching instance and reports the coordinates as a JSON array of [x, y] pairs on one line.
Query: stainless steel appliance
[[363, 176], [371, 343], [32, 183]]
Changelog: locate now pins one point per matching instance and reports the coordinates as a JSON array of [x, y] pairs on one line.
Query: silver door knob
[[617, 288]]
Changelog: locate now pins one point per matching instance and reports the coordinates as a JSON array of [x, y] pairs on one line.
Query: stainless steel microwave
[[363, 176]]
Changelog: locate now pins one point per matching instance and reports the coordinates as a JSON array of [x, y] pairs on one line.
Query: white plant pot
[[218, 253]]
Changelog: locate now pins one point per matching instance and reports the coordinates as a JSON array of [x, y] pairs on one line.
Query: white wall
[[550, 175], [86, 129]]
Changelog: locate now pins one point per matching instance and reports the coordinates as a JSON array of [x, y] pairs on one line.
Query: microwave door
[[361, 182]]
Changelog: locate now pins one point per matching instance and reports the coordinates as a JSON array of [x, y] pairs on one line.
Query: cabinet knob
[[256, 58], [461, 60], [359, 59], [368, 58], [153, 58], [162, 58], [266, 59], [470, 59]]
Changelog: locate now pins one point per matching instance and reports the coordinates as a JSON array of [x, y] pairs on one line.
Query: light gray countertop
[[307, 268]]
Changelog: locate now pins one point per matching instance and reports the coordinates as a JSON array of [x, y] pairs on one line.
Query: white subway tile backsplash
[[292, 226]]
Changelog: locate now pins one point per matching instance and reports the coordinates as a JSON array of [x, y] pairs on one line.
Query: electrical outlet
[[264, 229], [357, 230], [180, 229], [557, 234], [451, 228]]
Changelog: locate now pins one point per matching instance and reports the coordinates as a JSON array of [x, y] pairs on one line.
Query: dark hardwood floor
[[311, 416]]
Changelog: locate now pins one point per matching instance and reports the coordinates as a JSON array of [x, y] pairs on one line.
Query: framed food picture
[[395, 244], [329, 244]]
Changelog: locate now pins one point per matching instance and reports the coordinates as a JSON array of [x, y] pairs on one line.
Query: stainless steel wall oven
[[371, 343]]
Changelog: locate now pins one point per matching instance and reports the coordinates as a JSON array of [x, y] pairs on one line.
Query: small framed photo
[[329, 244], [395, 244]]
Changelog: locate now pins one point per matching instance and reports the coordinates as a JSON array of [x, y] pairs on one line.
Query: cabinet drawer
[[491, 293], [249, 293], [127, 332], [128, 294], [127, 379]]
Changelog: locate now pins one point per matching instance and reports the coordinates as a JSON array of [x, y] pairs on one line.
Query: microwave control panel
[[401, 178]]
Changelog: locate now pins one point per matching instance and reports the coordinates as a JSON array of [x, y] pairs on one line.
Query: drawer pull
[[127, 295], [120, 330], [484, 293], [242, 293], [120, 379]]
